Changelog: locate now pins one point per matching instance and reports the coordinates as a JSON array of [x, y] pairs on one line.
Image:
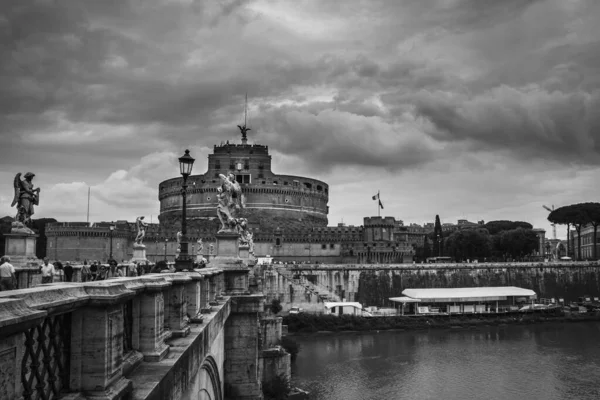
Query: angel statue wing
[[17, 185], [226, 182]]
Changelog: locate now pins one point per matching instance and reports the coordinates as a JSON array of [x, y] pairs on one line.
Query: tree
[[516, 243], [593, 210], [578, 215], [275, 306], [437, 236], [495, 227], [469, 244]]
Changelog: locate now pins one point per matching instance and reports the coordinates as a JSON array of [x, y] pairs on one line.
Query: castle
[[287, 215]]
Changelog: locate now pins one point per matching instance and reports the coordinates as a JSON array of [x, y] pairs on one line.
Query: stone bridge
[[190, 335]]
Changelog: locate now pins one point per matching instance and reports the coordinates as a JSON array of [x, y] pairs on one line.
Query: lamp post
[[155, 248], [166, 241], [111, 228], [183, 261]]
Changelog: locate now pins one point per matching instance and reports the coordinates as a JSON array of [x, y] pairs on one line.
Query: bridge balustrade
[[68, 338]]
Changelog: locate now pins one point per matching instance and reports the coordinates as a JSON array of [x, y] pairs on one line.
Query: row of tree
[[578, 216], [499, 240]]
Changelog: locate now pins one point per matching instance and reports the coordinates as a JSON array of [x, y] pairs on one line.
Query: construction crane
[[553, 224]]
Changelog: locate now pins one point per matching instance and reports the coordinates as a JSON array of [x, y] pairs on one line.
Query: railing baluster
[[45, 364]]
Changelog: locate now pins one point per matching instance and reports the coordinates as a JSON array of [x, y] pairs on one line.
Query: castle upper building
[[271, 200]]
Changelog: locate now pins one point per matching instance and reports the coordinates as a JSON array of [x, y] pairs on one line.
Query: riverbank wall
[[309, 285], [311, 324]]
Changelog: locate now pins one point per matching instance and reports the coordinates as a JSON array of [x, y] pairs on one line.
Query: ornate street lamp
[[111, 228], [166, 241], [183, 261]]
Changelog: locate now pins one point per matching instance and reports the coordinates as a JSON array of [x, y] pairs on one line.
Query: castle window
[[278, 242], [243, 178], [326, 191], [261, 165], [275, 183], [308, 185], [231, 165], [261, 176], [218, 164], [296, 183], [263, 182], [285, 183], [246, 164], [319, 188], [323, 246], [332, 246]]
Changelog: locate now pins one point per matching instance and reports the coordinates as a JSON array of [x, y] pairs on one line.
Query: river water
[[546, 361]]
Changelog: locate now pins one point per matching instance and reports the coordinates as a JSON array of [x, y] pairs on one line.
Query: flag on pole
[[377, 197]]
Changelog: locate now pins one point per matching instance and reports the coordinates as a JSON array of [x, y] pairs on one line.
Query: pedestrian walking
[[68, 269], [47, 271], [8, 279], [86, 273]]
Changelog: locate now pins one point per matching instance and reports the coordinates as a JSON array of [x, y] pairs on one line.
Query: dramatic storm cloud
[[482, 109]]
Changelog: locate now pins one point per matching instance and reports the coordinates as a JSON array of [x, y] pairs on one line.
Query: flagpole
[[378, 208], [88, 210]]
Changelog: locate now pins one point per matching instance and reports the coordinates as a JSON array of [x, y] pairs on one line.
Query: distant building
[[587, 242]]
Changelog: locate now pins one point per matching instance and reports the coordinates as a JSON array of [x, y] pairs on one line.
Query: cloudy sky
[[477, 109]]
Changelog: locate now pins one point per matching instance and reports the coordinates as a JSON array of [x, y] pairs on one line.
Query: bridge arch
[[209, 373]]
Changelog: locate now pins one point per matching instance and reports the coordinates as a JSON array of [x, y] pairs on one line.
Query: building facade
[[587, 243]]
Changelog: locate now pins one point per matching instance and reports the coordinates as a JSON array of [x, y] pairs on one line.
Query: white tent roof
[[404, 299], [468, 294], [343, 304]]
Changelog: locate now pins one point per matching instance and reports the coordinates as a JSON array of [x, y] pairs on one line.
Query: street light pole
[[183, 261], [166, 240], [111, 229]]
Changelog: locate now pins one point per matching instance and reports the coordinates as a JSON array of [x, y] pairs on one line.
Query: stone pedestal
[[245, 252], [228, 259], [176, 305], [152, 322], [21, 249], [193, 291], [228, 245], [97, 343], [139, 253]]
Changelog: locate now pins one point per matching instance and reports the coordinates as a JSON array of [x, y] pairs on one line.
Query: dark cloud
[[91, 87], [531, 123]]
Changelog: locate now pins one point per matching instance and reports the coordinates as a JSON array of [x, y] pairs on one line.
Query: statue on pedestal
[[25, 198], [245, 234], [179, 236], [200, 248], [230, 201], [141, 230]]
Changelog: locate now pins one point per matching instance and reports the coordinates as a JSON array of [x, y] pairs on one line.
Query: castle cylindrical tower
[[271, 200]]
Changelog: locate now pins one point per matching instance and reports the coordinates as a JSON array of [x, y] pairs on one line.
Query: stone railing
[[438, 266], [90, 340]]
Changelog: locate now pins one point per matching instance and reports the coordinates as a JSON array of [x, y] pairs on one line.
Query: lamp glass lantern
[[186, 162]]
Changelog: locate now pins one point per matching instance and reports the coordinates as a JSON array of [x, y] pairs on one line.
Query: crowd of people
[[90, 271]]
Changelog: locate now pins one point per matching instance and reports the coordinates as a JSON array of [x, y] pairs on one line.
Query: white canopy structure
[[404, 299], [451, 295], [329, 305]]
